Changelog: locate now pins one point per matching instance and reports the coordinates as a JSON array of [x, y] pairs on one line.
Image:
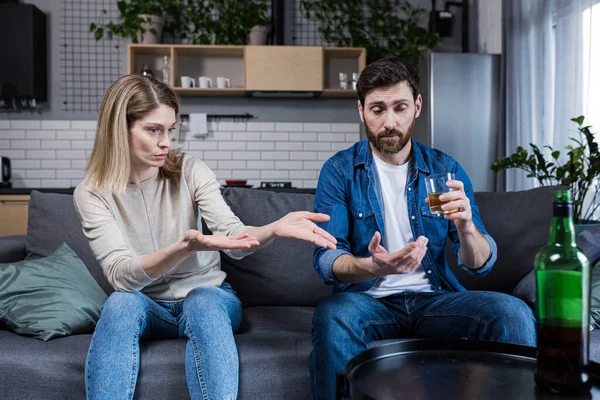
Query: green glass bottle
[[563, 303]]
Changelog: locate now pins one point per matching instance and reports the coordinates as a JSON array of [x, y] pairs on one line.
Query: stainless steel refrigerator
[[461, 111]]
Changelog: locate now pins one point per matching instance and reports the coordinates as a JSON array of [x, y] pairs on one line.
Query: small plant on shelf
[[141, 20], [371, 24]]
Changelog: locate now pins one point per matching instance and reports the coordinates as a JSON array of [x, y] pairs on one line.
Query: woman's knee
[[124, 305]]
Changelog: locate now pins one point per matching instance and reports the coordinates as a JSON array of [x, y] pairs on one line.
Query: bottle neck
[[562, 230]]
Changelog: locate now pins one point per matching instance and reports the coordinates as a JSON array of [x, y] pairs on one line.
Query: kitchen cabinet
[[252, 69], [13, 214]]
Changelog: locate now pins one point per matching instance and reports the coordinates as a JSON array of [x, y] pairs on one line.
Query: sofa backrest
[[281, 273], [52, 220], [519, 222]]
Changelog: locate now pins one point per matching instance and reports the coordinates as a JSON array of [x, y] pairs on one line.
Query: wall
[[53, 153], [49, 148], [279, 110]]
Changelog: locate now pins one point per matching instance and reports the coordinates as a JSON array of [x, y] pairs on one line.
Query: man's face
[[389, 116]]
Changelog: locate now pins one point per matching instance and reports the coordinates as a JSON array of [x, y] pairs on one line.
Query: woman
[[139, 206]]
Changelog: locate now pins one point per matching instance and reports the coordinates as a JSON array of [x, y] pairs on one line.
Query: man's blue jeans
[[207, 318], [343, 325]]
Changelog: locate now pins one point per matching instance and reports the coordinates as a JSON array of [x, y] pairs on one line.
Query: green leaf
[[579, 119]]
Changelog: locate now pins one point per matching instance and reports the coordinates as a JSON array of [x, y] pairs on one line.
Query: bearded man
[[389, 274]]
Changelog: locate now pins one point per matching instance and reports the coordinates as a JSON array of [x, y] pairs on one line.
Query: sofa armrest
[[12, 248], [525, 289]]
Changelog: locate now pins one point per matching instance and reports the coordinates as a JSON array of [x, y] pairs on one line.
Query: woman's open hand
[[300, 225]]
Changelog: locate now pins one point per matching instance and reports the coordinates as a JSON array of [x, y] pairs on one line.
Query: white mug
[[187, 82], [205, 82], [223, 82]]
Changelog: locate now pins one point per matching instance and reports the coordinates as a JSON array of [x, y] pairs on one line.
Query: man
[[385, 283]]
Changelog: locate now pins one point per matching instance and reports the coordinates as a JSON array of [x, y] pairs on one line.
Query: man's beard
[[386, 147]]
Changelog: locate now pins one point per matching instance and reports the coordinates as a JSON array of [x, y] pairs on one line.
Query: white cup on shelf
[[187, 82], [223, 82], [205, 82]]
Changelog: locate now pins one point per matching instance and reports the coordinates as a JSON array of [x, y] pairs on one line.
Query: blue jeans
[[343, 325], [207, 317]]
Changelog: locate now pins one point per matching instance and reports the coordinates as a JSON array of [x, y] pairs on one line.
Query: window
[[591, 67]]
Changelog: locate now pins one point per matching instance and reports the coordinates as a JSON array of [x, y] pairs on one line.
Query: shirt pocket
[[435, 227], [364, 226]]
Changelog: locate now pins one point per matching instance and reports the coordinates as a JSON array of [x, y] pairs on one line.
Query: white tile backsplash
[[53, 154]]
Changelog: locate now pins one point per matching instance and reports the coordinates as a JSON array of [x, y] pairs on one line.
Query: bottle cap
[[562, 196]]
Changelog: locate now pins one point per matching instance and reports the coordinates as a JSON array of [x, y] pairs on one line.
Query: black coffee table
[[434, 369]]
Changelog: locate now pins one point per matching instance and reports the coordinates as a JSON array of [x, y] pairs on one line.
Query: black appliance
[[5, 172], [23, 70]]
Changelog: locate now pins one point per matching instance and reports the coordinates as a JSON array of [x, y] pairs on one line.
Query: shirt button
[[440, 288], [359, 215], [429, 272], [409, 189], [412, 217]]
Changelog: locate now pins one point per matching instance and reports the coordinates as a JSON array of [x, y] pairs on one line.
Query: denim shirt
[[349, 191]]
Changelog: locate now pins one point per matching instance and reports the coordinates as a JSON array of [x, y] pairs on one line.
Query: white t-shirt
[[398, 234]]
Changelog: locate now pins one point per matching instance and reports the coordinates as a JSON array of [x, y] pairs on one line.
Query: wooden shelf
[[210, 91], [344, 52], [339, 93], [252, 68], [208, 51]]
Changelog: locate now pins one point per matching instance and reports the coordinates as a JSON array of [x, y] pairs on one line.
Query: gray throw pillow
[[49, 297], [281, 274]]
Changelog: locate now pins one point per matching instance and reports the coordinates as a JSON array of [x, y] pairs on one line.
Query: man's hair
[[387, 72], [126, 101]]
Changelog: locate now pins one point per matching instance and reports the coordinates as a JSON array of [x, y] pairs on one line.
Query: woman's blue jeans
[[207, 317]]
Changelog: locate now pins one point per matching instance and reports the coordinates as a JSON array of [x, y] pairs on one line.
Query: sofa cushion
[[274, 345], [519, 222], [53, 220], [49, 297], [32, 369], [281, 273]]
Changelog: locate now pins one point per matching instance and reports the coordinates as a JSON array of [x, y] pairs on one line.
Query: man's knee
[[335, 313], [514, 321]]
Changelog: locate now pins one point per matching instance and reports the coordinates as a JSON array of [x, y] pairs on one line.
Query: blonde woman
[[139, 205]]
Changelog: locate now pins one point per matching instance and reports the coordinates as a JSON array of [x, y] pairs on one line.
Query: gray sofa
[[277, 285]]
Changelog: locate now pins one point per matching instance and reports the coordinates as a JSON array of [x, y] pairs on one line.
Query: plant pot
[[258, 35], [156, 22]]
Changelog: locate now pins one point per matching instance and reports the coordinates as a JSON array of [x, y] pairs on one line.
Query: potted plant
[[256, 17], [141, 21], [224, 22], [371, 24], [580, 170], [237, 18]]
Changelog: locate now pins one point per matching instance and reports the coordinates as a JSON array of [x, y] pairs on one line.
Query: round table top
[[437, 369]]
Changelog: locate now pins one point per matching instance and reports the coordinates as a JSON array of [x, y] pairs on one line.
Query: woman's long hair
[[127, 100]]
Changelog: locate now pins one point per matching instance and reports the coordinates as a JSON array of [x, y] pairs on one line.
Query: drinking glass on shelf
[[343, 80], [354, 80], [436, 186]]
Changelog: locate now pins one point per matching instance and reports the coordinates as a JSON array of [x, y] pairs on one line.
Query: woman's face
[[150, 138]]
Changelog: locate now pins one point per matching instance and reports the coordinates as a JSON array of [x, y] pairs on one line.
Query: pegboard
[[305, 31], [87, 66]]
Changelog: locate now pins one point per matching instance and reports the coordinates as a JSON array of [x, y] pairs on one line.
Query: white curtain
[[547, 83]]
